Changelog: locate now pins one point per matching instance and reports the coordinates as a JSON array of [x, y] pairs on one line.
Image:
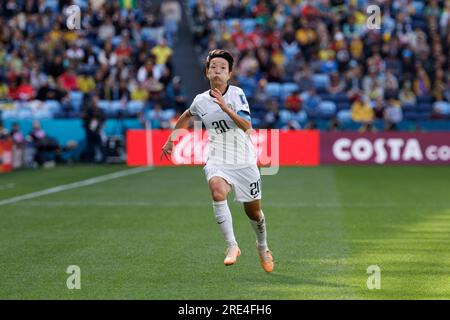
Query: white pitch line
[[75, 185]]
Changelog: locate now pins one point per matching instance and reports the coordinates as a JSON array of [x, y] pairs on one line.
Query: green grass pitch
[[153, 235]]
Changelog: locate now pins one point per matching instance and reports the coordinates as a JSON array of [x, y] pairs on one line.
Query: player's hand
[[219, 99], [166, 150]]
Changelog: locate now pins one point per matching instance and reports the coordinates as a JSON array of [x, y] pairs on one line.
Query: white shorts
[[246, 182]]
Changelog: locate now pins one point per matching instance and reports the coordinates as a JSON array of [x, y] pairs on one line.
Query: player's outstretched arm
[[240, 122], [182, 123]]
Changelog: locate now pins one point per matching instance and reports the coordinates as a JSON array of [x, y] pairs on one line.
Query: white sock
[[225, 221], [260, 231]]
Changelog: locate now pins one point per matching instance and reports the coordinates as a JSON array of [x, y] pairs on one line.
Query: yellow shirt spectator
[[362, 112], [162, 53], [86, 83], [4, 90], [139, 94]]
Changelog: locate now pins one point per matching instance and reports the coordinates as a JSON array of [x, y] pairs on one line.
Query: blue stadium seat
[[327, 109], [115, 107], [134, 107], [115, 41], [443, 106], [24, 113], [273, 89], [344, 116], [418, 5], [287, 89], [52, 106], [53, 5], [285, 116], [231, 22], [301, 117], [104, 105], [428, 99], [83, 4], [76, 99], [425, 107], [343, 106], [321, 81], [409, 107], [248, 25], [411, 115], [341, 97]]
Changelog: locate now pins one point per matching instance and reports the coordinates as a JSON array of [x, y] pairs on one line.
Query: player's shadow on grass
[[291, 280]]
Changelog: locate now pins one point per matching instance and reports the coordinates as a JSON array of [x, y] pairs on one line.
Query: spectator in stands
[[107, 56], [406, 95], [69, 80], [390, 83], [336, 84], [162, 52], [18, 140], [293, 102], [175, 95], [379, 109], [86, 83], [139, 93], [4, 90], [24, 91], [260, 95], [43, 144], [311, 102], [93, 121], [272, 117], [362, 112], [171, 11], [156, 117], [393, 114], [53, 65], [439, 85], [422, 83]]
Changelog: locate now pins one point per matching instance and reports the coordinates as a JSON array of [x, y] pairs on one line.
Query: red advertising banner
[[5, 156], [385, 148], [273, 147]]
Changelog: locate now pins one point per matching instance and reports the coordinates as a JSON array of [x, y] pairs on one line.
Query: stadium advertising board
[[385, 148], [5, 156], [273, 147], [300, 148]]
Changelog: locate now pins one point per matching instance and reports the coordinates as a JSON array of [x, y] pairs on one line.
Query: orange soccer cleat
[[266, 259], [232, 254]]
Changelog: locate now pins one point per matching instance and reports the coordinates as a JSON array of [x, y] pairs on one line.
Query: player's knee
[[254, 214], [218, 195]]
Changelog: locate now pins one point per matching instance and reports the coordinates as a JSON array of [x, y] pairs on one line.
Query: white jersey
[[228, 144]]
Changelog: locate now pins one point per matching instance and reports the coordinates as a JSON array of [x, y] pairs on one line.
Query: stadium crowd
[[317, 64], [120, 53], [117, 64]]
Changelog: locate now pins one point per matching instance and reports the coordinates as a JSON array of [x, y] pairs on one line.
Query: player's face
[[218, 71]]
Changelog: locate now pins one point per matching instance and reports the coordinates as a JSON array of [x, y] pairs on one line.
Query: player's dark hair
[[218, 53]]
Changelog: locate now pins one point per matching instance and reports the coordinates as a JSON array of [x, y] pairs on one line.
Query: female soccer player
[[231, 162]]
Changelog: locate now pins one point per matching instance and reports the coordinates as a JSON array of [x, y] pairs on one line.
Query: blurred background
[[70, 95]]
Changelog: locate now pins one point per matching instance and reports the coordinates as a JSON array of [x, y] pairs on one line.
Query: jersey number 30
[[220, 126], [255, 188]]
